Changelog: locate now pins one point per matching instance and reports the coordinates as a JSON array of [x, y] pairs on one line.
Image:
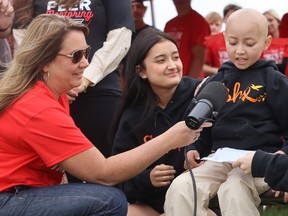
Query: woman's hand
[[73, 93]]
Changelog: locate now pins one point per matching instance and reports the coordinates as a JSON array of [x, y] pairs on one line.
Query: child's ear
[[268, 42]]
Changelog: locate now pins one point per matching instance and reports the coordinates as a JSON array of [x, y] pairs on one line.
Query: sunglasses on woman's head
[[77, 55]]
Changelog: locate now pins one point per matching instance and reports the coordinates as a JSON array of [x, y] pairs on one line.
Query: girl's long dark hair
[[137, 91]]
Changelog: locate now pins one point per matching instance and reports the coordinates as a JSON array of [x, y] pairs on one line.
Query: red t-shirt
[[36, 133], [276, 50], [216, 53], [283, 27], [286, 68], [188, 30]]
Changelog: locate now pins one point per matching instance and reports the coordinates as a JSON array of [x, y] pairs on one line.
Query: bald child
[[253, 118], [246, 36]]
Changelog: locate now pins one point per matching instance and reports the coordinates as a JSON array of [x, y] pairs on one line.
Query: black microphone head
[[216, 93]]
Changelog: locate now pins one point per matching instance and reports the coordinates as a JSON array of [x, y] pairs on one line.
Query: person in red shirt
[[274, 21], [216, 53], [285, 62], [283, 27], [278, 45], [189, 29], [215, 22], [276, 52], [283, 32], [39, 140]]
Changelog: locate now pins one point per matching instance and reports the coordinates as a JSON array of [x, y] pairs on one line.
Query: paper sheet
[[226, 154]]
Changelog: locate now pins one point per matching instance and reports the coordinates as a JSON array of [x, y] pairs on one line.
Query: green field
[[280, 210]]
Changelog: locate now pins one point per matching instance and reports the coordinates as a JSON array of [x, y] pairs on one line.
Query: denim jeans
[[75, 199]]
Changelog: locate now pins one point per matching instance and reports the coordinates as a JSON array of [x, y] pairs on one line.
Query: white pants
[[237, 192]]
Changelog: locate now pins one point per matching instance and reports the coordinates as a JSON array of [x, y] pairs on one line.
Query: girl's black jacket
[[131, 134]]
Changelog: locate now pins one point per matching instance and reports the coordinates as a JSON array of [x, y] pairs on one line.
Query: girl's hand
[[162, 175]]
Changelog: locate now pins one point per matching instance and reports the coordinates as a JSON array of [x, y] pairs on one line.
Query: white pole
[[152, 13]]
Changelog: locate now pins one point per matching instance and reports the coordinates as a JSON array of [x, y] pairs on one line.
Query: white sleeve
[[18, 35], [106, 59]]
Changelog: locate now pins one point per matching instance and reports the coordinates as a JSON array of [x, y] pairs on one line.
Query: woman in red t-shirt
[[39, 141]]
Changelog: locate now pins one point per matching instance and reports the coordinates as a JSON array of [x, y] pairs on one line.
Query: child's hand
[[244, 163], [193, 156], [200, 85]]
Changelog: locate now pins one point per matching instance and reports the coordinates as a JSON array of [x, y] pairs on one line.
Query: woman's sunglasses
[[77, 55]]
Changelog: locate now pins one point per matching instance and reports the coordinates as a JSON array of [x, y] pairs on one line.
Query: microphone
[[208, 102]]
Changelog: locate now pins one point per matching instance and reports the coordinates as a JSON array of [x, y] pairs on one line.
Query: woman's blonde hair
[[274, 14], [42, 41]]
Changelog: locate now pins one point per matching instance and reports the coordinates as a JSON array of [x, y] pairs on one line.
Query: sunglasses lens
[[78, 55]]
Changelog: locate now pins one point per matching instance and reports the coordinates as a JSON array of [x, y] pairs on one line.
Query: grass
[[276, 210]]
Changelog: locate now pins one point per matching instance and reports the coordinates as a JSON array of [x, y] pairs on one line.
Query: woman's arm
[[92, 166]]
